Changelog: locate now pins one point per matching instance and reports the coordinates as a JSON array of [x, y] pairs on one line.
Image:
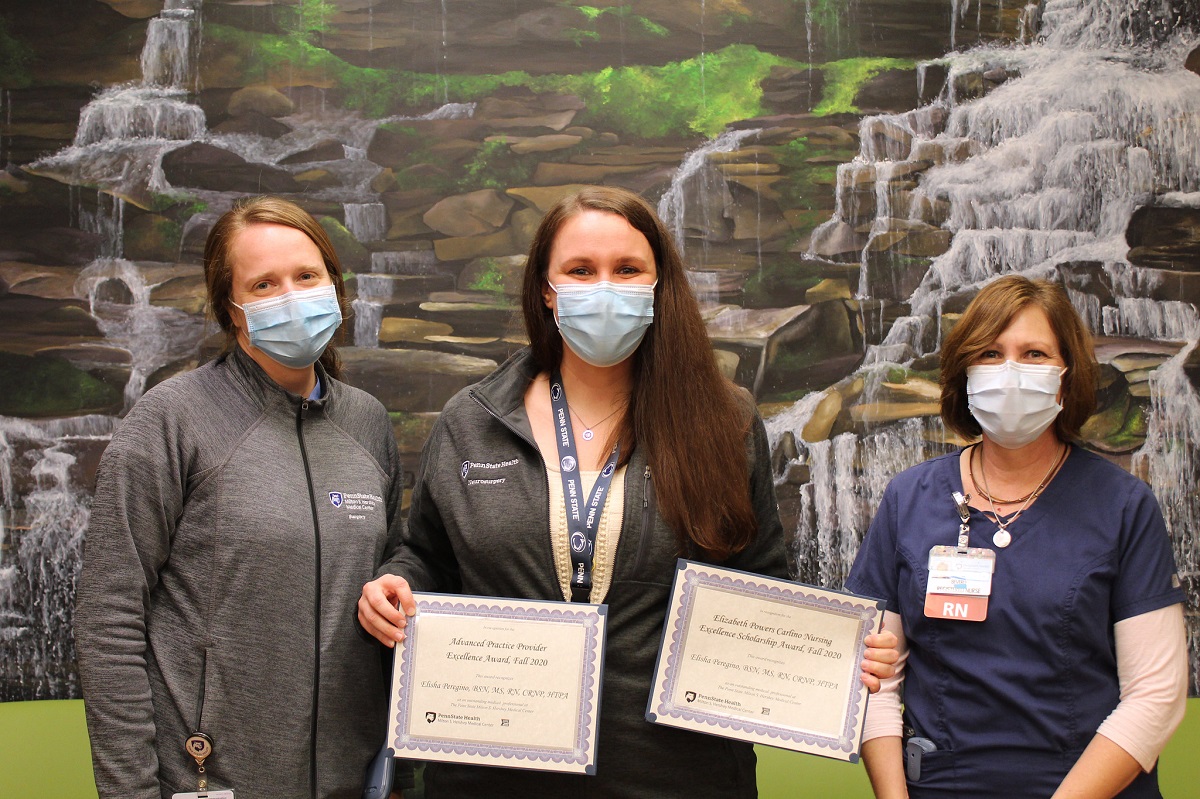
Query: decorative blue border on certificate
[[582, 751], [695, 575]]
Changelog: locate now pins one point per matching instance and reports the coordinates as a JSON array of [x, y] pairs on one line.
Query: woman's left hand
[[879, 660]]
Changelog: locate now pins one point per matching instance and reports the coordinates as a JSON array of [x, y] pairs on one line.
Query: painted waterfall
[[842, 176]]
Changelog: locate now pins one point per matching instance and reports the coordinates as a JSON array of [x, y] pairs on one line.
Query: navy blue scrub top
[[1011, 702]]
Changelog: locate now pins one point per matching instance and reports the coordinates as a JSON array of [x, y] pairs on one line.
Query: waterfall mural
[[843, 175]]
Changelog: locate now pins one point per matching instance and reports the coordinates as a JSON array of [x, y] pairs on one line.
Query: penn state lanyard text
[[582, 520]]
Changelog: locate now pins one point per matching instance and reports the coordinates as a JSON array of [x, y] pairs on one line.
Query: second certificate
[[764, 660], [499, 682]]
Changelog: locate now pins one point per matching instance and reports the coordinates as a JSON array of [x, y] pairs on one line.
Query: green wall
[[44, 755]]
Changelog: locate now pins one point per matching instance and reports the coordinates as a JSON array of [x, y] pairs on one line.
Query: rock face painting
[[842, 174]]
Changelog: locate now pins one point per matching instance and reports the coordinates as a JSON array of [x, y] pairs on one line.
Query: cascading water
[[404, 262], [169, 66], [367, 221], [698, 198], [376, 288], [153, 336], [373, 291], [124, 131], [43, 516], [43, 504], [1039, 175]]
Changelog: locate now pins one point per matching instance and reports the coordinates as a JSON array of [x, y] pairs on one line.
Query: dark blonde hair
[[988, 315], [218, 271], [683, 412]]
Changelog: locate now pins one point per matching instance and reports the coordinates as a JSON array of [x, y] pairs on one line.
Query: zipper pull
[[646, 487]]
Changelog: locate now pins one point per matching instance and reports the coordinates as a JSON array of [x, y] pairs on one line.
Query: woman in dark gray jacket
[[255, 484], [639, 382]]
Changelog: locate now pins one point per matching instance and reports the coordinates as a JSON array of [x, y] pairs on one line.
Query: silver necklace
[[588, 435], [1002, 537]]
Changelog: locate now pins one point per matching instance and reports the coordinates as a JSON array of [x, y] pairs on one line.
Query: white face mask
[[1013, 402]]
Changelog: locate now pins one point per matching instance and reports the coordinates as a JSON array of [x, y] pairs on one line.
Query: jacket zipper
[[198, 727], [316, 692], [647, 519]]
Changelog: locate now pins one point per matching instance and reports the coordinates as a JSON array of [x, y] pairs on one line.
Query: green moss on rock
[[351, 253], [38, 386]]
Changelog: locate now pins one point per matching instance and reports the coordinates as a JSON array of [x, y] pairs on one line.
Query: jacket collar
[[251, 379], [502, 393]]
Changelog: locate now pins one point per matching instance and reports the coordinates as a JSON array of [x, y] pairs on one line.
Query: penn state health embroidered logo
[[491, 471], [356, 503]]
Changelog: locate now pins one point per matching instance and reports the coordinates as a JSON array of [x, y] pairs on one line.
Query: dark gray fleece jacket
[[233, 527], [479, 524]]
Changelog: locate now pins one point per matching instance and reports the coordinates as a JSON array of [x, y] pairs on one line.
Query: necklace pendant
[[1002, 538], [588, 435]]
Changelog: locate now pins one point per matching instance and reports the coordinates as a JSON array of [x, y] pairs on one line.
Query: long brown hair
[[988, 315], [683, 412], [218, 271]]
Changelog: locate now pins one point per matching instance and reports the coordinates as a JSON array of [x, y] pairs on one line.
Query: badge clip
[[964, 514]]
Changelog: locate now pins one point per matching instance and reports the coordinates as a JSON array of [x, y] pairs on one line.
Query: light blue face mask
[[603, 323], [294, 328]]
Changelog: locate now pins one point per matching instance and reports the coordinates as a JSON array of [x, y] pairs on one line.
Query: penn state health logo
[[430, 717], [466, 467], [335, 498]]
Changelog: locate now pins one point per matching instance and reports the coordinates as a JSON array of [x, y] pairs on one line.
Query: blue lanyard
[[582, 520]]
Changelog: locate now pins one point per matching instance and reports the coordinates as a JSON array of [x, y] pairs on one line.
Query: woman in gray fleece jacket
[[643, 393], [238, 510]]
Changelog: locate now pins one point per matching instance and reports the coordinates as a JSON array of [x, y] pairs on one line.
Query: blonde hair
[[218, 270]]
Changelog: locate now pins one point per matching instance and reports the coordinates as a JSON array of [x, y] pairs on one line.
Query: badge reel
[[960, 577], [200, 747]]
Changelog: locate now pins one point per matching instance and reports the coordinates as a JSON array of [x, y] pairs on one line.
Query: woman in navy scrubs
[[1032, 581]]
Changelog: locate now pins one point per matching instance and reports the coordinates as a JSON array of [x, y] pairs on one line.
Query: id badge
[[960, 582], [225, 794]]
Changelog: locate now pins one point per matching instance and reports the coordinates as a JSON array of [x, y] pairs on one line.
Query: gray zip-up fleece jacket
[[233, 527], [479, 524]]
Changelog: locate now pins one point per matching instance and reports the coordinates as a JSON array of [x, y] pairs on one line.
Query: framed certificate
[[499, 682], [763, 660]]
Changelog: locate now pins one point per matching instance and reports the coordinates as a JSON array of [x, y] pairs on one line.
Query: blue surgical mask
[[603, 323], [294, 328]]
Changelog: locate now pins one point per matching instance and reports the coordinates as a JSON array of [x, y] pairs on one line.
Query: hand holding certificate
[[499, 682], [763, 660]]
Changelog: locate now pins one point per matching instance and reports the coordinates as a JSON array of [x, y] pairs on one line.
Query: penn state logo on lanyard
[[960, 577], [583, 518]]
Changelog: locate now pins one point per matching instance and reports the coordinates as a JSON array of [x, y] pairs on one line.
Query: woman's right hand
[[384, 608]]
